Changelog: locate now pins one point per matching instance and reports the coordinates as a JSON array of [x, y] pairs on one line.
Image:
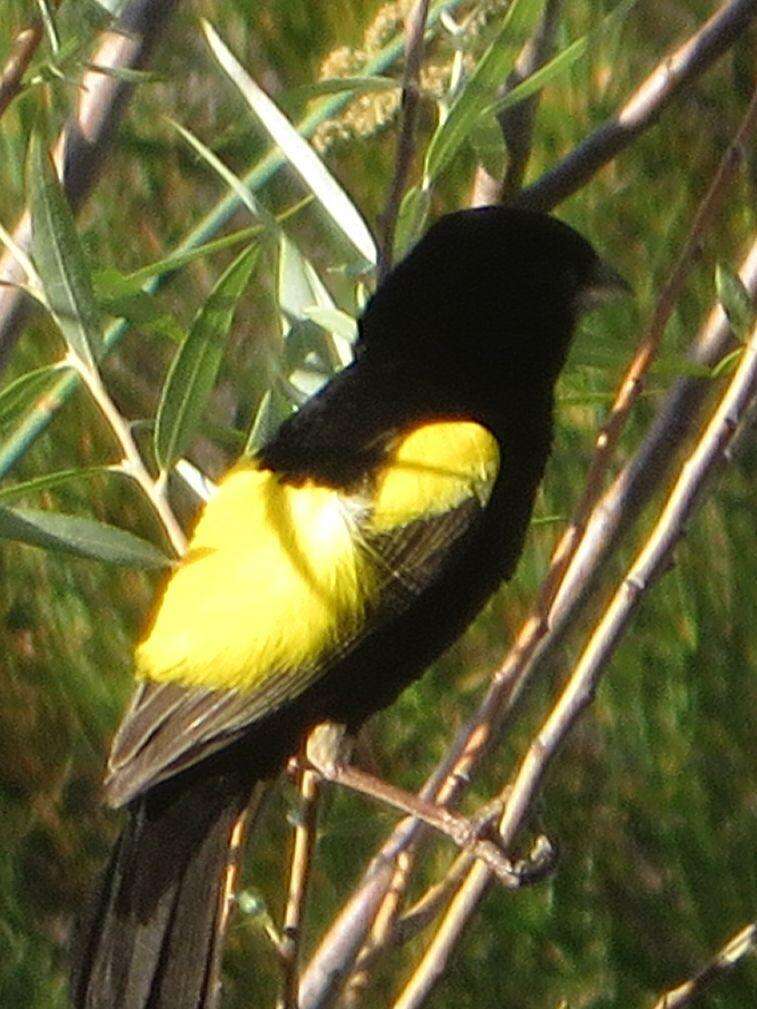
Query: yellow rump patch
[[276, 575], [434, 469], [271, 578]]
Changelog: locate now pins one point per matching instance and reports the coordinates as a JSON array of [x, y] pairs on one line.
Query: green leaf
[[48, 21], [193, 370], [335, 321], [127, 74], [274, 408], [298, 151], [59, 258], [82, 537], [335, 85], [111, 283], [726, 363], [736, 302], [478, 91], [145, 311], [28, 387], [234, 183], [38, 483], [299, 289], [560, 63], [488, 144], [411, 220]]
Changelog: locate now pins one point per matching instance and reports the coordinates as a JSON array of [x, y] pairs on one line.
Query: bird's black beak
[[604, 282]]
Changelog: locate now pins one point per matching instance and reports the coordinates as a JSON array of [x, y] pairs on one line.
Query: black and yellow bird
[[327, 572]]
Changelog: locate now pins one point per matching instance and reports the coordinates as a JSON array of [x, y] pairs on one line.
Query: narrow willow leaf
[[49, 24], [411, 220], [298, 151], [82, 537], [48, 480], [274, 408], [110, 283], [193, 371], [127, 74], [335, 321], [196, 480], [28, 387], [478, 91], [488, 145], [736, 302], [59, 258], [335, 85], [232, 181], [146, 312], [727, 363], [299, 285], [560, 63], [299, 289]]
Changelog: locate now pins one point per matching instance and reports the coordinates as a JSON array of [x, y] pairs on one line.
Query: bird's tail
[[152, 937]]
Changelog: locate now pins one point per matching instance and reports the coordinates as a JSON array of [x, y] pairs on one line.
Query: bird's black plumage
[[473, 326]]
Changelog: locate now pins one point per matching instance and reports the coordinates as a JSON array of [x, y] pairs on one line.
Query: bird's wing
[[282, 582]]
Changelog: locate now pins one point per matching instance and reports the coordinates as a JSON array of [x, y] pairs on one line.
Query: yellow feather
[[276, 574], [271, 578], [435, 468]]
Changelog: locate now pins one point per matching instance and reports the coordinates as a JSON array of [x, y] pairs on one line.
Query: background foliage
[[653, 801]]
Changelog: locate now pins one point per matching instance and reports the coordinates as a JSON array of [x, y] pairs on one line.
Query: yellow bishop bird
[[328, 571]]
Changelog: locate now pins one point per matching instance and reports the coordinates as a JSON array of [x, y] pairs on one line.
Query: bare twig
[[735, 949], [415, 27], [642, 109], [80, 151], [651, 562], [132, 464], [22, 52], [299, 877], [517, 122]]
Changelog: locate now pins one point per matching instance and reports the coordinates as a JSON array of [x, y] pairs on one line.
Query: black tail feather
[[151, 938]]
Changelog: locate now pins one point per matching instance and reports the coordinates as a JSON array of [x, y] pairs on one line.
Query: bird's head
[[492, 286]]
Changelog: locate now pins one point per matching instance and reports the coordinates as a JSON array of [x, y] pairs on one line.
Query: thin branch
[[415, 28], [82, 146], [132, 464], [642, 109], [22, 52], [517, 122], [299, 878], [652, 561], [735, 949]]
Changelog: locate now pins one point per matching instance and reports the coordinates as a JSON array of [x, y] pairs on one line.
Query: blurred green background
[[653, 801]]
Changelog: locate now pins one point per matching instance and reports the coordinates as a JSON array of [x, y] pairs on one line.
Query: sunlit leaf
[[335, 321], [299, 289], [82, 537], [411, 220], [736, 302], [300, 154], [274, 408], [59, 258], [194, 369]]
